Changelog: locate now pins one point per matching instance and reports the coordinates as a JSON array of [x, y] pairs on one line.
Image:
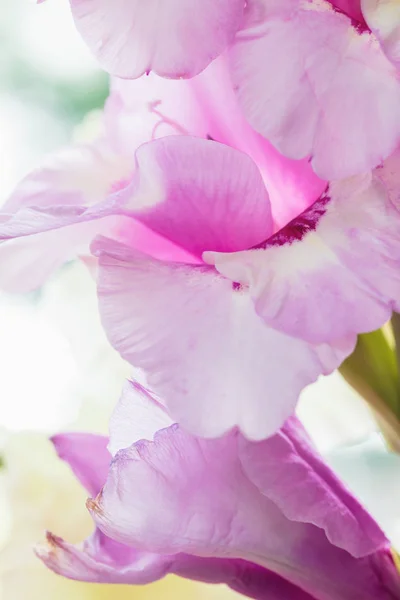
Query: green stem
[[373, 365], [372, 370], [395, 322]]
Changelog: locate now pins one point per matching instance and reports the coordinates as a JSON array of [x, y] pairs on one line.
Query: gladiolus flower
[[269, 518], [224, 313]]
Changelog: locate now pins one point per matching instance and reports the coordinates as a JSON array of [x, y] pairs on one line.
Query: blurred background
[[57, 371]]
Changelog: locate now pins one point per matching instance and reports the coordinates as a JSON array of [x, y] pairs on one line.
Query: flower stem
[[372, 369]]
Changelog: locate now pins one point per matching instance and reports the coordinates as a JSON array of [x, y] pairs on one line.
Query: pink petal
[[25, 265], [239, 522], [137, 416], [206, 106], [291, 184], [37, 242], [54, 196], [306, 490], [202, 346], [76, 175], [100, 560], [199, 194], [334, 271], [59, 194], [44, 225], [103, 560], [174, 38], [227, 210], [313, 85], [150, 107], [87, 455]]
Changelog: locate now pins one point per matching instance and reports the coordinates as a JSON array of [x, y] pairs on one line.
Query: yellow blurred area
[[35, 584], [39, 494]]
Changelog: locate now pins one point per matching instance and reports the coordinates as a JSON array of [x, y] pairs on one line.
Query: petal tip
[[93, 505]]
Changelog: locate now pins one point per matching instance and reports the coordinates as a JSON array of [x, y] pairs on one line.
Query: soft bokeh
[[58, 371], [41, 493], [38, 492]]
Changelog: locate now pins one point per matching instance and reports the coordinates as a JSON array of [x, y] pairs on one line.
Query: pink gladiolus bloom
[[269, 518], [316, 78], [263, 314], [82, 175], [224, 313]]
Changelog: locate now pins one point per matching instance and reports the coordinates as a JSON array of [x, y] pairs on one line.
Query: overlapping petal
[[306, 490], [199, 194], [265, 324], [101, 559], [333, 271], [286, 468], [52, 197], [242, 537], [206, 106], [27, 262], [138, 415], [59, 194], [203, 348], [240, 522], [313, 85], [174, 38], [339, 258], [112, 562], [171, 214], [76, 175]]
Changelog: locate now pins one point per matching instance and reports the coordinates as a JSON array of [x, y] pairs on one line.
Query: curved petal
[[76, 175], [51, 197], [175, 38], [25, 266], [334, 271], [292, 185], [36, 242], [199, 194], [240, 522], [206, 106], [195, 193], [87, 455], [100, 562], [307, 490], [103, 560], [137, 416], [313, 85], [202, 346]]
